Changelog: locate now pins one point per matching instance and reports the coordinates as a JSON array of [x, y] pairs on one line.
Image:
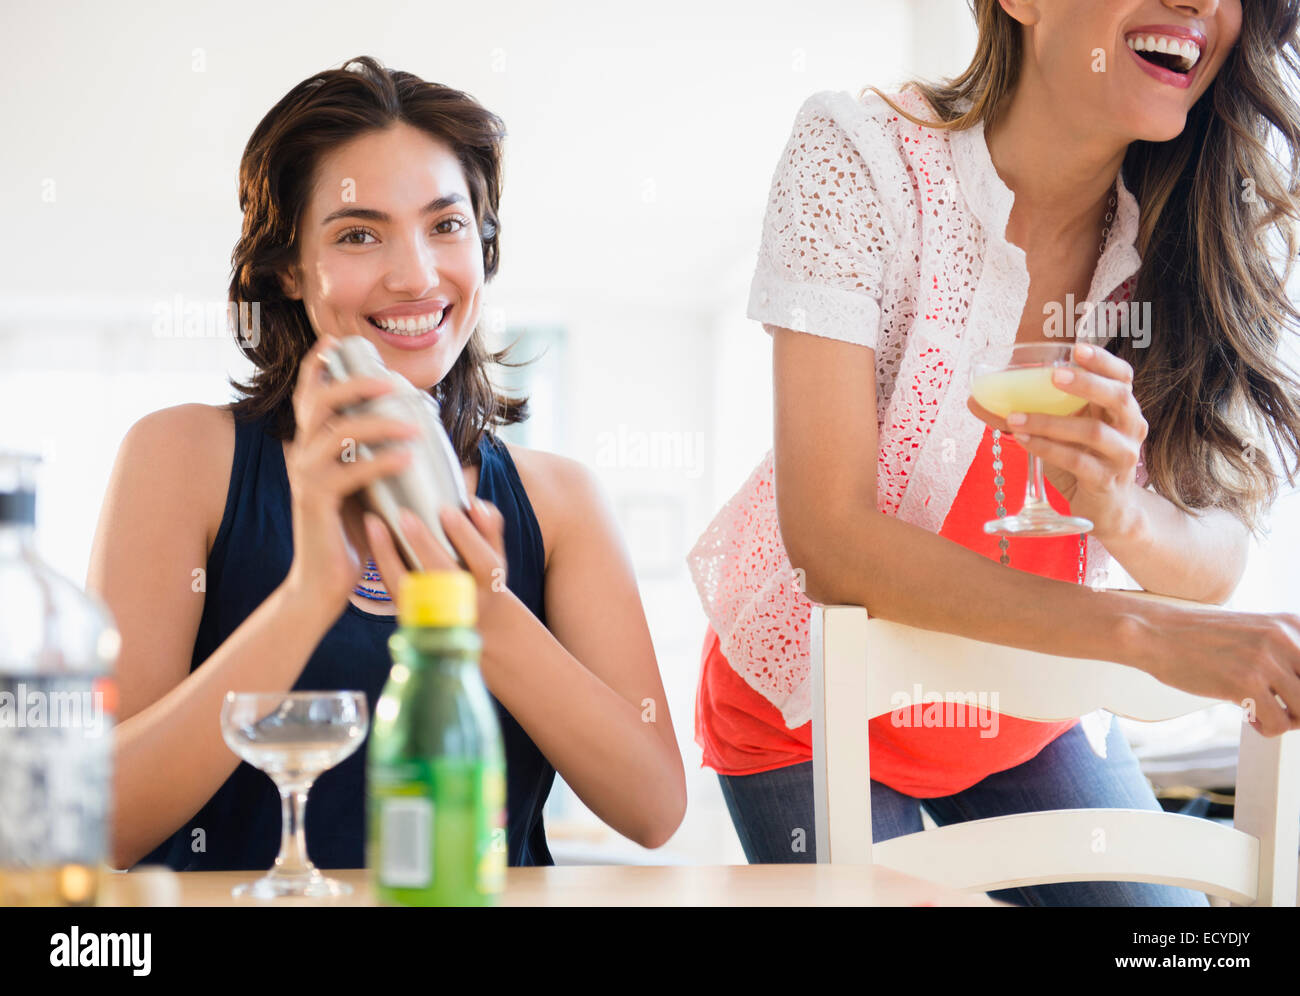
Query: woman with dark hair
[[231, 547], [903, 234]]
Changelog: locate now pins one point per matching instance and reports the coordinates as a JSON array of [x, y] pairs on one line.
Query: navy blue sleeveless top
[[250, 557]]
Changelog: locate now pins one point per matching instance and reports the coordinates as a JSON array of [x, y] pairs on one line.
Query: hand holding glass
[[1024, 384]]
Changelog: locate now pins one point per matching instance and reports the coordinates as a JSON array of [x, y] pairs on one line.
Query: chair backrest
[[910, 664], [865, 667]]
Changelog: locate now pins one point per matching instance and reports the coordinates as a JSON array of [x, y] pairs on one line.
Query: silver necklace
[[1004, 543]]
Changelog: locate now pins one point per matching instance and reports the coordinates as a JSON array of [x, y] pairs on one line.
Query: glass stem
[[292, 859], [1035, 490]]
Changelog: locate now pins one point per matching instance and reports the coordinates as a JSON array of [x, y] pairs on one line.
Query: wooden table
[[593, 885]]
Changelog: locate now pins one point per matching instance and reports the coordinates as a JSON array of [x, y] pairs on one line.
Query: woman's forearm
[[614, 758], [1170, 552], [907, 574], [170, 758]]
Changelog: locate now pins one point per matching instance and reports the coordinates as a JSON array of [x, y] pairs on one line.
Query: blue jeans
[[767, 809]]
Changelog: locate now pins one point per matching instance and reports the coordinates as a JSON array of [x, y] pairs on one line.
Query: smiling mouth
[[412, 326], [1172, 54]]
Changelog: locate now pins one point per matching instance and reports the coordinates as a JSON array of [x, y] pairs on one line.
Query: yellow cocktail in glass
[[1022, 382], [1023, 389]]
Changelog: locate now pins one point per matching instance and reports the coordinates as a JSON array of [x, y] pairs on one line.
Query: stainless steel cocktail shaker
[[433, 478]]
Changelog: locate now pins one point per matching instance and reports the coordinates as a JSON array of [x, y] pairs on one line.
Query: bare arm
[[1168, 551], [169, 759], [826, 450], [168, 754], [596, 668], [826, 444], [585, 686]]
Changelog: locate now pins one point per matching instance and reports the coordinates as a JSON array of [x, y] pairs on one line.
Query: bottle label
[[438, 826], [55, 768], [406, 848]]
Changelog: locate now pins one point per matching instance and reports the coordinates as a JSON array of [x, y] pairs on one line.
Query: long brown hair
[[1212, 376], [275, 179]]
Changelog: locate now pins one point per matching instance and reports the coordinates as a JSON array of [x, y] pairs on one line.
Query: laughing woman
[[370, 203], [1094, 150]]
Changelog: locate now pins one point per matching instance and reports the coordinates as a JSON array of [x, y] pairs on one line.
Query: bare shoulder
[[192, 444], [562, 491]]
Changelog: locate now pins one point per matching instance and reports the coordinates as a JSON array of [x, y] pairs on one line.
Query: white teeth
[[411, 326], [1188, 52]]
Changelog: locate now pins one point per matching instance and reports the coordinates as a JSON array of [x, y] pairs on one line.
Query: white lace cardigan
[[890, 235]]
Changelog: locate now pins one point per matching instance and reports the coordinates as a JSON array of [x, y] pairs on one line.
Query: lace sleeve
[[821, 258]]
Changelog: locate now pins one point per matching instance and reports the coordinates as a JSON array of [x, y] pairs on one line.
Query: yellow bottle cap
[[437, 598]]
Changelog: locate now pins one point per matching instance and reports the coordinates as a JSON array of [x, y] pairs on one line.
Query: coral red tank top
[[741, 733]]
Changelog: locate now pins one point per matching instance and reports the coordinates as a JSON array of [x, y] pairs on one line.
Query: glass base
[[1039, 520], [310, 884]]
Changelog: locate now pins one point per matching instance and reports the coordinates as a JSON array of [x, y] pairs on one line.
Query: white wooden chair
[[859, 665]]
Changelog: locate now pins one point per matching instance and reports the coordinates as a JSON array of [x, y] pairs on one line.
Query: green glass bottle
[[435, 764]]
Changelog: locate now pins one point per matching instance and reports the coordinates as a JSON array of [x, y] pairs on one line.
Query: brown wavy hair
[[1212, 380], [276, 176]]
